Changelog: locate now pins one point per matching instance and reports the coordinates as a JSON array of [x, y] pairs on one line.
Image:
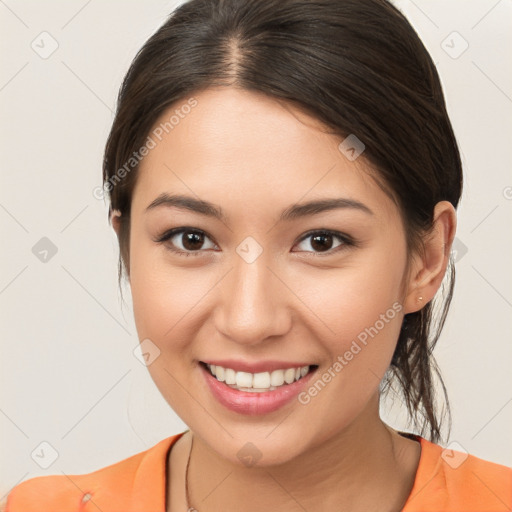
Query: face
[[263, 285]]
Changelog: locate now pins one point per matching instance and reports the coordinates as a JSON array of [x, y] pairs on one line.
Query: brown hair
[[356, 65]]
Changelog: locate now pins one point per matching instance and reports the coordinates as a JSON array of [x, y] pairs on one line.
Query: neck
[[366, 465]]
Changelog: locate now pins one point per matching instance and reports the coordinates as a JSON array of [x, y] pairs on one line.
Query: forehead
[[249, 150]]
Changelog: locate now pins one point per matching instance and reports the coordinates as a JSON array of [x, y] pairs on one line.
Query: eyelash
[[346, 240]]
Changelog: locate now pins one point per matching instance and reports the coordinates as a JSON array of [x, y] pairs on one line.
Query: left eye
[[322, 241]]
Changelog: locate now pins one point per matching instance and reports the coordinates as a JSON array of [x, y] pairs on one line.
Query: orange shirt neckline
[[139, 483], [150, 482]]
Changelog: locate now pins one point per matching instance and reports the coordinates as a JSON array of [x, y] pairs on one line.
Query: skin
[[254, 157]]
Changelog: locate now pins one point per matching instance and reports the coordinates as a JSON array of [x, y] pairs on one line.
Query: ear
[[429, 266], [115, 220]]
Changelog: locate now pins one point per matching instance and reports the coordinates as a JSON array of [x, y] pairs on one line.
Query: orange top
[[446, 481]]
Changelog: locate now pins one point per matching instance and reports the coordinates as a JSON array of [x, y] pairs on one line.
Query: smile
[[257, 393], [258, 382]]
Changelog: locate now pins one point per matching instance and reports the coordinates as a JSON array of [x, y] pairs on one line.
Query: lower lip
[[254, 404]]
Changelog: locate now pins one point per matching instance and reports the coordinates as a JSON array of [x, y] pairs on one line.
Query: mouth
[[255, 393], [258, 382]]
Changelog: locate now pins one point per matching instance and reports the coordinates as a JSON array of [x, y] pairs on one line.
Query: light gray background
[[69, 376]]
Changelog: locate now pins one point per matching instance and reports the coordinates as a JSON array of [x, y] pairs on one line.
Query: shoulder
[[475, 483], [111, 487], [450, 479]]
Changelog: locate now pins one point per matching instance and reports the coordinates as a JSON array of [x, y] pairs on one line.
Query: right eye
[[184, 241]]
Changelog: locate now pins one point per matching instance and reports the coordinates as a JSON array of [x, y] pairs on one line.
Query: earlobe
[[429, 266]]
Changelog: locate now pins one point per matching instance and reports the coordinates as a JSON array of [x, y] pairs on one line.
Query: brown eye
[[186, 241], [192, 241], [324, 241]]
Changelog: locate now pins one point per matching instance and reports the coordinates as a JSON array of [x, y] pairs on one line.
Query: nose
[[254, 304]]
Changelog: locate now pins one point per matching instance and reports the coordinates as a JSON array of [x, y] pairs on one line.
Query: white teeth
[[258, 382], [261, 380], [220, 373], [289, 375], [244, 379], [256, 390], [230, 376], [277, 378]]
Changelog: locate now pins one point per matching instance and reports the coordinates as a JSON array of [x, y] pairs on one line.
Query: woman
[[283, 179]]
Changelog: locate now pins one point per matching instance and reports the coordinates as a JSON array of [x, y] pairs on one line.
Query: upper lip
[[257, 366]]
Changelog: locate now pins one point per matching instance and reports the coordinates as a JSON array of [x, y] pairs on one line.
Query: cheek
[[167, 310], [354, 298], [167, 299], [360, 313]]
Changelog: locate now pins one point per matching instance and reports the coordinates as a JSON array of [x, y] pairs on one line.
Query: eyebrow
[[292, 212]]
